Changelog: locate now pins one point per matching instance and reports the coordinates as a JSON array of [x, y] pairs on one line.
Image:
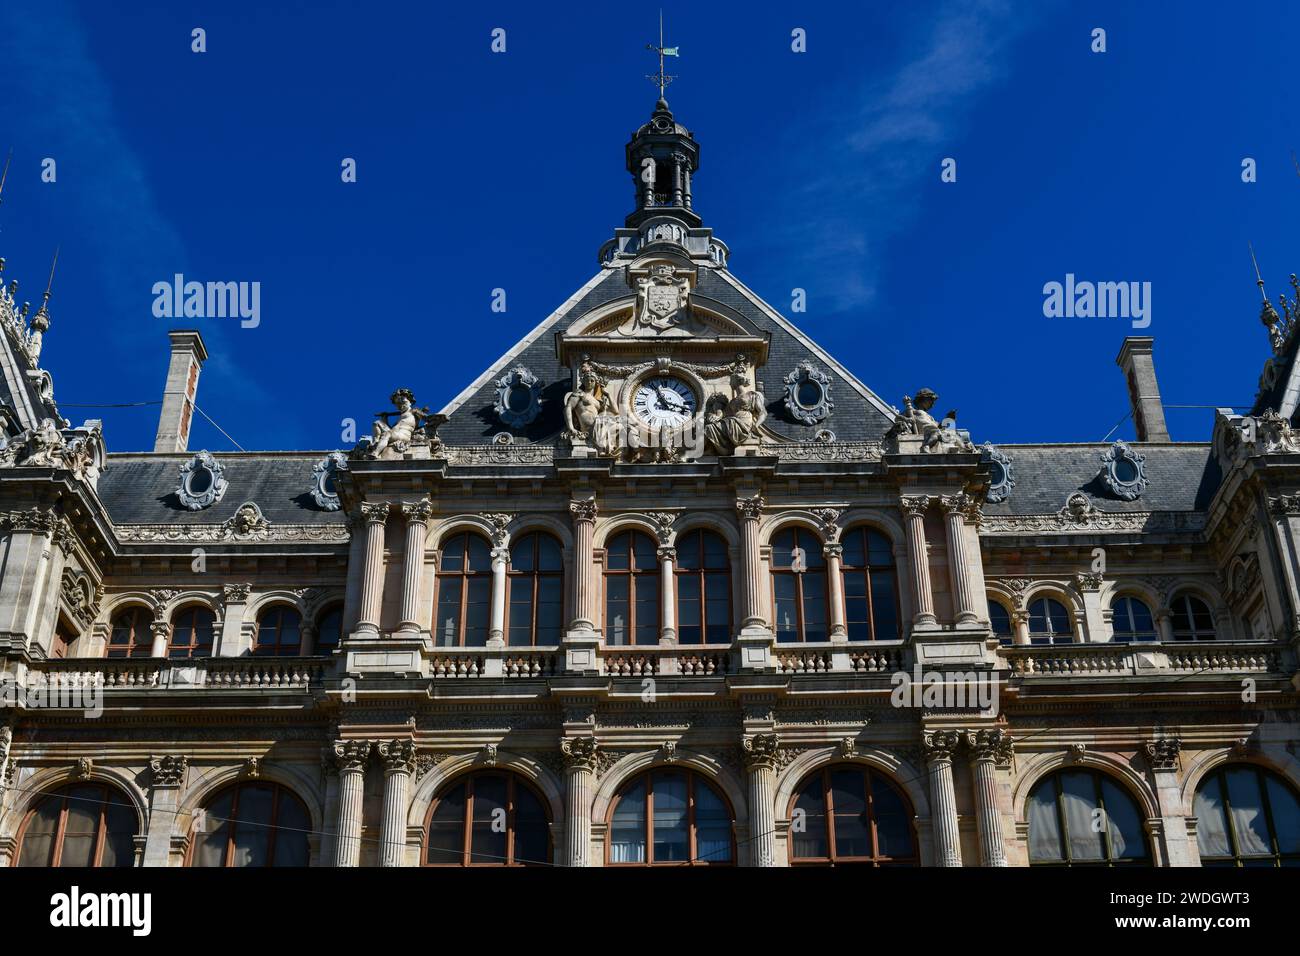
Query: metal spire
[[662, 79], [1259, 279], [5, 174]]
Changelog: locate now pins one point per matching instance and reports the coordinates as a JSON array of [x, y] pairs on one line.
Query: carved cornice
[[1093, 521], [33, 520], [266, 533]]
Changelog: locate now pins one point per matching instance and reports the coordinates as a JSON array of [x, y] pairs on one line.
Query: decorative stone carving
[[729, 424], [489, 755], [1088, 580], [940, 744], [828, 522], [1162, 753], [589, 416], [235, 592], [995, 745], [168, 771], [750, 507], [1001, 477], [668, 751], [202, 482], [662, 300], [79, 450], [1075, 752], [579, 752], [916, 430], [323, 476], [664, 521], [518, 398], [808, 394], [252, 768], [583, 509], [500, 522], [760, 750], [84, 768], [1124, 471], [80, 596], [352, 754], [398, 754], [413, 431], [848, 748], [248, 522], [1274, 434], [426, 762]]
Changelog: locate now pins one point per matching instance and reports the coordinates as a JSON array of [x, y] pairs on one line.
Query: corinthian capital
[[760, 750], [954, 504], [940, 744], [375, 512], [351, 754], [417, 512], [397, 755], [992, 745], [751, 507], [914, 506], [579, 753], [583, 509]]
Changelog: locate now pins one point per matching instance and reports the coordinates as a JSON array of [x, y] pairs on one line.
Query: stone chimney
[[1143, 391], [188, 356]]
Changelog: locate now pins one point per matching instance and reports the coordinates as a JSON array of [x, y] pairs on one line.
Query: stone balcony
[[277, 674], [1108, 660]]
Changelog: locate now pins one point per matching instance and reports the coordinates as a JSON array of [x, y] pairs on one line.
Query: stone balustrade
[[1117, 660]]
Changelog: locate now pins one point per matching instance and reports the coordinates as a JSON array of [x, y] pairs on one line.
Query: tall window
[[1131, 621], [631, 590], [1192, 619], [1083, 818], [490, 818], [672, 817], [279, 632], [464, 592], [799, 586], [329, 630], [1247, 816], [1000, 621], [870, 586], [1049, 622], [850, 814], [536, 582], [85, 824], [130, 635], [254, 824], [192, 632], [703, 589]]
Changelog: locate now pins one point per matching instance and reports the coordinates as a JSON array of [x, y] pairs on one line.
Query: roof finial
[[662, 79], [1259, 279], [5, 175]]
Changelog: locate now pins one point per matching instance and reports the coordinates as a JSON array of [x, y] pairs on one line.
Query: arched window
[[851, 814], [279, 632], [671, 817], [84, 824], [870, 586], [130, 635], [489, 818], [1131, 621], [536, 582], [631, 590], [464, 591], [1049, 622], [329, 630], [192, 633], [1083, 818], [1192, 619], [1247, 816], [253, 824], [799, 586], [703, 589], [1000, 621]]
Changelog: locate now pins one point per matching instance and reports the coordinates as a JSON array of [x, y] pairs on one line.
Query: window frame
[[60, 829], [647, 775], [1132, 631], [1009, 638], [276, 608], [1193, 634], [190, 609], [335, 608], [1236, 860], [1049, 637], [513, 779], [277, 791], [801, 629], [632, 573], [1062, 827], [701, 574], [833, 858], [535, 578], [866, 571], [138, 612], [463, 576]]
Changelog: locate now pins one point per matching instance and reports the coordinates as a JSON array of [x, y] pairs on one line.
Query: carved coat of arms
[[662, 299]]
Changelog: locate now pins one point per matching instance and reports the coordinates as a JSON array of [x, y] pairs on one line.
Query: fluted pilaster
[[989, 748], [749, 510], [914, 507], [375, 515], [939, 747], [417, 516], [584, 542], [580, 778], [954, 510], [760, 753], [398, 757], [350, 757]]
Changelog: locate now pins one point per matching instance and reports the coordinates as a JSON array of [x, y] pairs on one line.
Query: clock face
[[664, 400]]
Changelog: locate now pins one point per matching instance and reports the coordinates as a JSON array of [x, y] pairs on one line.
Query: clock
[[664, 400]]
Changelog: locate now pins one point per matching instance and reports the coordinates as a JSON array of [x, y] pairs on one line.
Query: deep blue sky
[[481, 170]]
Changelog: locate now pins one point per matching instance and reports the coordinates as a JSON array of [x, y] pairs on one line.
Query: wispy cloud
[[883, 143]]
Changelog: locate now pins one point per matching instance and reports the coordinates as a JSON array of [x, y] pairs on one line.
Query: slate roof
[[141, 489], [854, 418], [1183, 476]]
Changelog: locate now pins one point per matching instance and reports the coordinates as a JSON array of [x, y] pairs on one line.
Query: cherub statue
[[397, 436], [729, 424], [588, 412], [936, 436]]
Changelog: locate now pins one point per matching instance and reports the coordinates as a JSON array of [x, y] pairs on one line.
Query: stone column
[[988, 749], [351, 757], [164, 799], [497, 625], [159, 630], [1165, 624], [1162, 756], [679, 163], [749, 511], [234, 601], [580, 779], [375, 514], [939, 746], [760, 753], [954, 510], [398, 757], [834, 553], [584, 540], [1019, 626], [417, 516], [667, 596], [914, 507]]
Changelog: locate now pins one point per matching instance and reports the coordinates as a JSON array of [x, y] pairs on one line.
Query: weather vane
[[662, 79]]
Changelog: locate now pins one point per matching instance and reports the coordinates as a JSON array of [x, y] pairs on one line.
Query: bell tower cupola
[[662, 157]]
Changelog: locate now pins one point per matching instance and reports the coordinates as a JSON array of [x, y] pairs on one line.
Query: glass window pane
[[253, 826], [1246, 804], [715, 552], [671, 837], [1286, 814], [647, 609], [879, 550], [549, 555], [453, 555], [894, 836], [478, 608], [628, 827], [814, 606], [446, 840], [808, 822], [787, 612], [1212, 819], [1079, 800], [712, 825], [490, 820], [849, 799], [532, 829], [1044, 826], [523, 553], [446, 626], [1126, 839], [884, 606], [618, 552], [480, 555], [643, 553], [617, 610]]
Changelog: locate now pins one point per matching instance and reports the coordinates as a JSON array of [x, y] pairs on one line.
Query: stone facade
[[360, 661]]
